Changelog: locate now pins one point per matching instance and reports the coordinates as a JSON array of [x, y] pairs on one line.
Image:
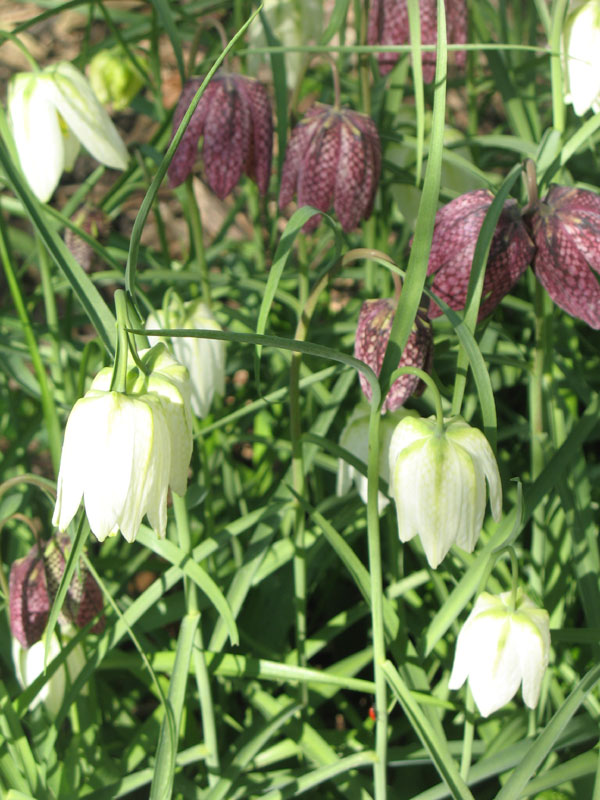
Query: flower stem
[[375, 571], [514, 563], [431, 384], [195, 223], [119, 378]]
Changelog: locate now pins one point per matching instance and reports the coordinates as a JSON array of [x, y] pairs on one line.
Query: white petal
[[582, 43], [78, 105], [410, 429], [179, 430], [37, 133], [478, 447], [75, 453], [495, 674]]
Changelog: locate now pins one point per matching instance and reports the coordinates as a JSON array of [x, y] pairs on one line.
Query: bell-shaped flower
[[114, 77], [122, 451], [457, 227], [581, 56], [566, 231], [388, 24], [30, 663], [33, 584], [355, 439], [333, 157], [499, 647], [204, 358], [438, 481], [234, 118], [372, 335], [51, 113]]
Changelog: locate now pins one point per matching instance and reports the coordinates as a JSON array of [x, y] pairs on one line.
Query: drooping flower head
[[372, 335], [33, 584], [333, 157], [388, 25], [204, 358], [437, 479], [457, 226], [566, 230], [122, 452], [235, 120], [355, 439], [114, 77], [581, 56], [499, 647], [51, 113]]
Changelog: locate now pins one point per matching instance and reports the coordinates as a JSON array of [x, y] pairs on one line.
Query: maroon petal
[[350, 198], [372, 335], [183, 161], [261, 150], [428, 17], [29, 603], [318, 172], [388, 24], [372, 149], [227, 138], [457, 28], [296, 148]]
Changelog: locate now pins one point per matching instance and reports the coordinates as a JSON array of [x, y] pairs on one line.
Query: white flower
[[204, 358], [122, 451], [29, 665], [581, 55], [437, 479], [355, 438], [51, 113], [498, 648]]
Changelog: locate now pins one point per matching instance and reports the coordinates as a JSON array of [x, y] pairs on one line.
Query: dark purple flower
[[333, 158], [566, 230], [234, 117], [372, 334], [33, 584], [29, 603], [388, 24], [457, 226], [84, 597]]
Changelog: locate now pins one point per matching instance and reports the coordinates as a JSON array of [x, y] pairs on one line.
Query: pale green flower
[[51, 113], [122, 452], [204, 358], [498, 648], [581, 55], [437, 479], [114, 78]]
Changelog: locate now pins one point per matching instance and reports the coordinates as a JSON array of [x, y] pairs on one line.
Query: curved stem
[[119, 378], [428, 380], [514, 563]]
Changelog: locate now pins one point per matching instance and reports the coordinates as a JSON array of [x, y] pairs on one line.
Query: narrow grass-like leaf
[[437, 749], [174, 555], [248, 745], [164, 770], [316, 777], [516, 785]]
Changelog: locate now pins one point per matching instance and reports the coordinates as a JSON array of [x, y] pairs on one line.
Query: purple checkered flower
[[333, 157], [372, 334], [566, 230], [388, 24], [234, 117], [457, 227], [29, 604]]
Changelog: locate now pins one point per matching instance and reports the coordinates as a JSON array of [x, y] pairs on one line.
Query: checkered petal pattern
[[372, 334], [234, 118], [29, 604], [566, 230], [333, 158], [457, 228], [388, 25]]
